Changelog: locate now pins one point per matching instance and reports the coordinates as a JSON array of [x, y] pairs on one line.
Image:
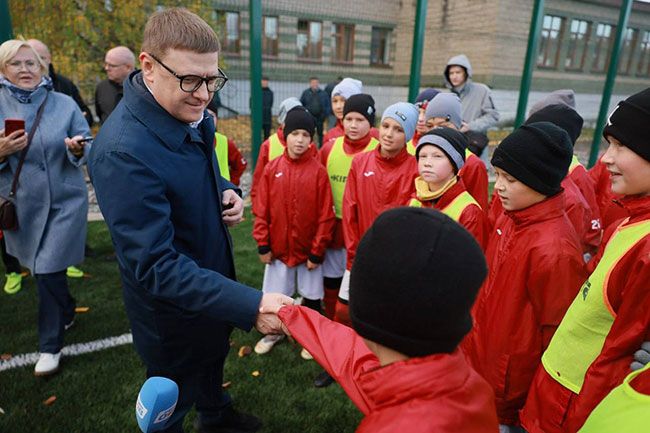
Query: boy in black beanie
[[294, 222], [400, 364], [536, 265]]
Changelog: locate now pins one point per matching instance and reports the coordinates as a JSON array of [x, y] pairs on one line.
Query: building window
[[575, 58], [310, 40], [643, 67], [270, 37], [342, 43], [627, 53], [380, 46], [228, 24], [549, 44], [603, 47]]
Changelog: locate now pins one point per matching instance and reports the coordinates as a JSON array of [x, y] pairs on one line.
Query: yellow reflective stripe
[[623, 410], [574, 164], [581, 335], [468, 153], [221, 150], [410, 147], [415, 203], [454, 209], [338, 167], [276, 148]]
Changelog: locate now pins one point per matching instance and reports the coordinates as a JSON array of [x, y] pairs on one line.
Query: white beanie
[[347, 87], [285, 106]]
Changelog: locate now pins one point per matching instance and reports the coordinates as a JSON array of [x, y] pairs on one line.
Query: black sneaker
[[323, 380], [233, 422]]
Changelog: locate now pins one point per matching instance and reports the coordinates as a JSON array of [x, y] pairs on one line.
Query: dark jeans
[[200, 386], [12, 265], [55, 310], [319, 131]]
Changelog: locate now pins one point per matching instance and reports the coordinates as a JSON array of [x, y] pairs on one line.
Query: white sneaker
[[266, 343], [304, 354], [47, 364]]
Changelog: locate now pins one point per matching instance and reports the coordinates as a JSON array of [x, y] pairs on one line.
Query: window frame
[[276, 45], [223, 32], [545, 46], [625, 68], [574, 45], [598, 48], [338, 36], [644, 55], [388, 33], [310, 45]]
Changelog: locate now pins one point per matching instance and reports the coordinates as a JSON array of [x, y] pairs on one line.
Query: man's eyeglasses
[[191, 83]]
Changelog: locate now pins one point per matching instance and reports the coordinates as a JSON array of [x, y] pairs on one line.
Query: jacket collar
[[353, 146], [171, 131], [415, 378], [547, 209], [396, 160], [280, 133], [638, 207], [451, 194]]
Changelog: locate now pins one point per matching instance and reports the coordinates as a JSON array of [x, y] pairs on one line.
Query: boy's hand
[[311, 265], [267, 258]]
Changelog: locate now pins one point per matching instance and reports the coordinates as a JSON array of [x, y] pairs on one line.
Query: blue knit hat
[[404, 113]]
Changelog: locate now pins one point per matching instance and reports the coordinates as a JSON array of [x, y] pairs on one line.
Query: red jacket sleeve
[[262, 160], [261, 232], [475, 178], [324, 152], [236, 162], [337, 348], [630, 329], [326, 217], [474, 220], [350, 218]]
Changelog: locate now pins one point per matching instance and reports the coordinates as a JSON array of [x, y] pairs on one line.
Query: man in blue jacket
[[167, 207]]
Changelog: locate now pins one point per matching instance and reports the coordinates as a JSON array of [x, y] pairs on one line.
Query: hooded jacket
[[295, 219], [374, 184], [436, 393], [552, 408], [536, 269], [476, 99]]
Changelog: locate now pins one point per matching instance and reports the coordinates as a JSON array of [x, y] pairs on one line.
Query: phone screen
[[12, 125]]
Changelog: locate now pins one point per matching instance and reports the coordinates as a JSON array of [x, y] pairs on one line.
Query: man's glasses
[[191, 83]]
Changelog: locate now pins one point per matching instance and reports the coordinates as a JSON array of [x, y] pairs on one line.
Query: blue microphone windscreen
[[156, 403]]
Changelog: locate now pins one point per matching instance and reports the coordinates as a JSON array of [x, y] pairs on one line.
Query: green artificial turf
[[96, 392]]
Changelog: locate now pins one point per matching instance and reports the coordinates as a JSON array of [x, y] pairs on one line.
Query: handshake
[[267, 321]]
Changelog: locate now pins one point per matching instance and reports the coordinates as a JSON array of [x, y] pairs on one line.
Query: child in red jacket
[[295, 220], [441, 155], [347, 88], [609, 319], [536, 266], [400, 364]]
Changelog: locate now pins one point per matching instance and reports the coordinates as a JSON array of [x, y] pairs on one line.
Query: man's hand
[[233, 206], [311, 265], [267, 320], [267, 258]]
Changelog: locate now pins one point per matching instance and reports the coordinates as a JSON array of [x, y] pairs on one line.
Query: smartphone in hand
[[12, 125]]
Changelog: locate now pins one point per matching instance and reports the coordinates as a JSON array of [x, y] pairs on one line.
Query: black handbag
[[477, 141], [8, 216]]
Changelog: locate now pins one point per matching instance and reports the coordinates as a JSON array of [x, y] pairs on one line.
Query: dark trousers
[[12, 265], [319, 131], [267, 130], [200, 386], [55, 310]]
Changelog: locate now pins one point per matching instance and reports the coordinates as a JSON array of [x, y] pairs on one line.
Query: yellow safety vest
[[624, 410], [575, 163], [454, 209], [276, 148], [410, 147], [581, 335], [468, 153], [221, 150], [338, 167]]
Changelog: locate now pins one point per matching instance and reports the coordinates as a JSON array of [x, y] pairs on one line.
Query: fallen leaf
[[244, 351], [2, 411], [82, 309], [226, 385], [87, 275], [50, 401], [5, 357], [256, 373]]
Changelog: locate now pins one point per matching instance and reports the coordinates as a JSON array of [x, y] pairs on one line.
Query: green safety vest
[[276, 148], [410, 147], [581, 335], [624, 410], [454, 209], [338, 167], [574, 164], [221, 150]]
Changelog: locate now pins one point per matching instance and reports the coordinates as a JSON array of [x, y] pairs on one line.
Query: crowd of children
[[442, 312]]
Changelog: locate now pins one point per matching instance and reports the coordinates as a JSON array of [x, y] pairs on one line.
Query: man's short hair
[[313, 78], [178, 28]]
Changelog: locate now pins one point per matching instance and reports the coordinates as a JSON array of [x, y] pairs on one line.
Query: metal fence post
[[418, 45], [612, 69], [255, 12], [6, 31], [529, 63]]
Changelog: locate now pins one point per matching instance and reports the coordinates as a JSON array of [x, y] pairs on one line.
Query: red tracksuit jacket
[[584, 183], [553, 408], [434, 394], [236, 162], [535, 270], [374, 185], [472, 218], [339, 131], [475, 177], [295, 211]]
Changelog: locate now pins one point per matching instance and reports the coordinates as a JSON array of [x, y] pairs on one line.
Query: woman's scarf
[[25, 96]]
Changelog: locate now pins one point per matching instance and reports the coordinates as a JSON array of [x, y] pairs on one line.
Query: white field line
[[26, 359]]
